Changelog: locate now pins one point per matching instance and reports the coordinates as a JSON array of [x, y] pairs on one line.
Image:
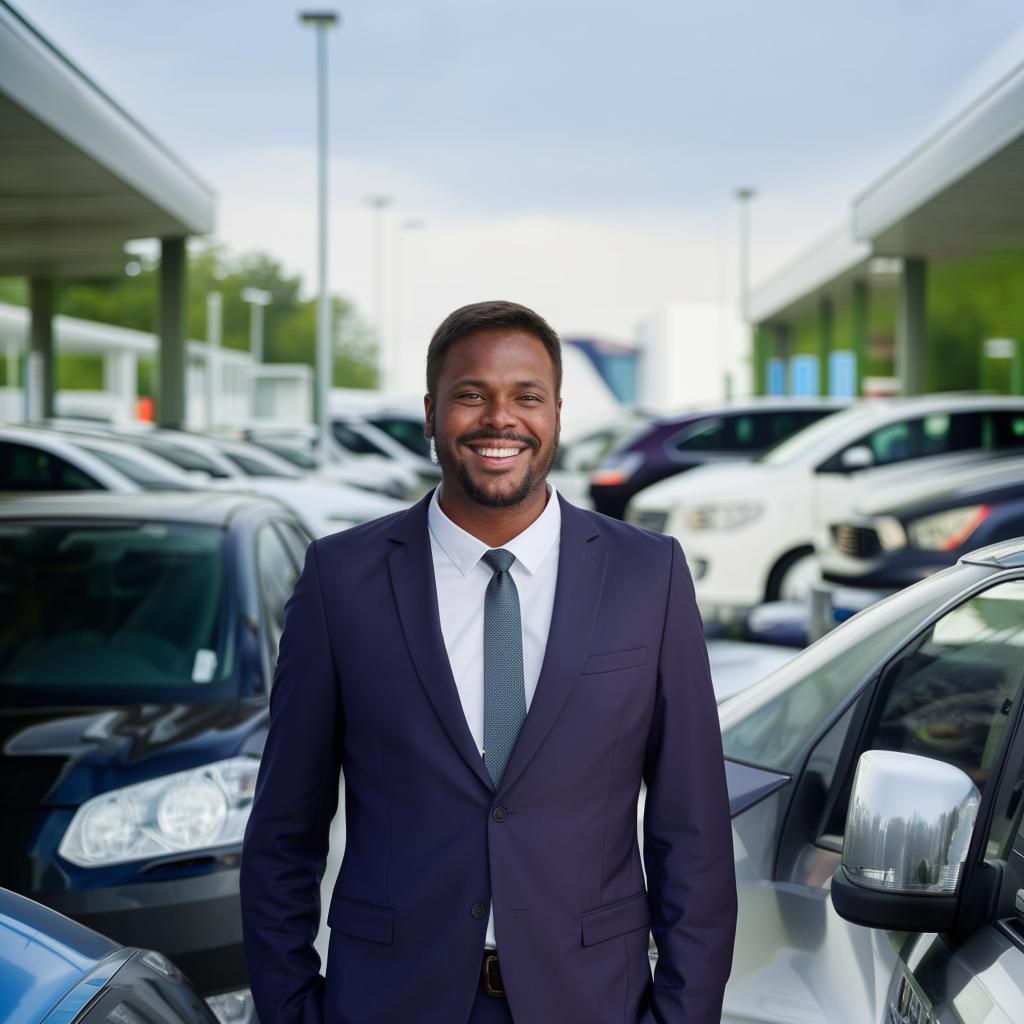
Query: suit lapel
[[411, 567], [581, 567]]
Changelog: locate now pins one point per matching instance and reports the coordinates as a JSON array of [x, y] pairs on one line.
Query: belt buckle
[[492, 976]]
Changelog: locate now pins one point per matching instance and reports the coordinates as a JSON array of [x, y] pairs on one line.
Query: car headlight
[[189, 810], [890, 533], [726, 516], [946, 531], [647, 518], [617, 469]]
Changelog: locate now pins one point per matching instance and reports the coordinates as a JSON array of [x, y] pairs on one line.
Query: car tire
[[792, 575]]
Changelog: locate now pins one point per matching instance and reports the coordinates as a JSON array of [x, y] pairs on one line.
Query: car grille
[[856, 541], [648, 519]]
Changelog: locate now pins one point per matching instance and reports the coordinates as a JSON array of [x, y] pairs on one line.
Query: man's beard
[[534, 474]]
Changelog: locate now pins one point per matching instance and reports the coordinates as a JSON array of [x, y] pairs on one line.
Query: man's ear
[[428, 416]]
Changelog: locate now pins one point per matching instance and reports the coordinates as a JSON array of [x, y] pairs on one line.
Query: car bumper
[[195, 921]]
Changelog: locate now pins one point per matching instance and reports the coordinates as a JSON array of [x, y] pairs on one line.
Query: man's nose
[[499, 414]]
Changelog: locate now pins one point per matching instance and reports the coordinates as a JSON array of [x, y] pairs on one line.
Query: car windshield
[[807, 440], [112, 612], [770, 724], [145, 475]]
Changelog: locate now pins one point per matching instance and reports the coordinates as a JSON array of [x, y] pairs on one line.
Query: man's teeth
[[499, 453]]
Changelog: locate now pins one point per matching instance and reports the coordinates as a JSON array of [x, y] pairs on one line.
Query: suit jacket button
[[478, 911], [499, 814]]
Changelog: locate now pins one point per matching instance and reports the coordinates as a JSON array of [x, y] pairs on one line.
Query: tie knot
[[499, 559]]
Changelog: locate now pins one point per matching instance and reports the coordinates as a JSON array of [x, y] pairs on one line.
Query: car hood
[[715, 482], [946, 486], [61, 757]]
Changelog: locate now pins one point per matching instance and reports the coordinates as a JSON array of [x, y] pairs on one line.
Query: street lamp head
[[320, 19], [379, 202], [745, 192]]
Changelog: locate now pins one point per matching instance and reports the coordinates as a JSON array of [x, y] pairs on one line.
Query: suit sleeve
[[688, 854], [286, 838]]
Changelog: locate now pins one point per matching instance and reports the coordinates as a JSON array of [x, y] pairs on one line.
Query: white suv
[[748, 530]]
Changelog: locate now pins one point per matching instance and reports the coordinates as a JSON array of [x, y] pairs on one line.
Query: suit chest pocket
[[615, 661]]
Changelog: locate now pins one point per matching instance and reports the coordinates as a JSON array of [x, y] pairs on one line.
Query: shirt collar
[[530, 547]]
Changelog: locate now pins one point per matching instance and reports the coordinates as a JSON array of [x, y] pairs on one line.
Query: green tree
[[289, 319]]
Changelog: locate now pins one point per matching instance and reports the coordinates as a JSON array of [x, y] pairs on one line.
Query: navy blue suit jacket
[[363, 686]]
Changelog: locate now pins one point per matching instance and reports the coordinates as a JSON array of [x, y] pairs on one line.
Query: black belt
[[492, 975]]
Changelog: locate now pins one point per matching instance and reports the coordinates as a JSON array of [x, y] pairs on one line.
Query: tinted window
[[353, 441], [744, 432], [120, 613], [24, 468], [407, 432], [277, 574]]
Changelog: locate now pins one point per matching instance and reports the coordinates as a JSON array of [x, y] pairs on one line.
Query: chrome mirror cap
[[909, 824]]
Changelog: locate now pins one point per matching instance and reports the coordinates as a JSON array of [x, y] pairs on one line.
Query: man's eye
[[532, 398], [470, 394]]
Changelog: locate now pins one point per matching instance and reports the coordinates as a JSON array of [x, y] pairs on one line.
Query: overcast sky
[[577, 156]]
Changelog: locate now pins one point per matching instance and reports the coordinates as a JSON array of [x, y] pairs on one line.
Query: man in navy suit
[[495, 672]]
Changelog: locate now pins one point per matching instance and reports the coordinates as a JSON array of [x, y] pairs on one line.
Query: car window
[[138, 472], [26, 468], [183, 457], [772, 722], [1003, 428], [407, 432], [948, 696], [112, 612], [251, 466], [296, 539], [354, 441], [277, 574]]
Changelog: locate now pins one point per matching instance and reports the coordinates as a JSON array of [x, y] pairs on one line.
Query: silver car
[[930, 888]]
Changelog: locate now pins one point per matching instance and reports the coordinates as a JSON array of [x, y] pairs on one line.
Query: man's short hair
[[489, 316]]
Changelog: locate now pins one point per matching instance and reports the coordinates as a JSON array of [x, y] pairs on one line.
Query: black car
[[138, 635], [909, 532], [672, 445]]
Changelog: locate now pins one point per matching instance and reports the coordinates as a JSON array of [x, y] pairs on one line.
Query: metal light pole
[[744, 194], [379, 204], [214, 323], [321, 22], [257, 299], [397, 283]]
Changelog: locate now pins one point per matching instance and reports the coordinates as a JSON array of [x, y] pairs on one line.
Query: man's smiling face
[[495, 418]]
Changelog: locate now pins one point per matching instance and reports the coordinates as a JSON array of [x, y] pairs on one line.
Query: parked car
[[906, 532], [55, 970], [138, 635], [934, 672], [381, 474], [42, 460], [581, 452], [748, 530], [671, 445], [324, 506]]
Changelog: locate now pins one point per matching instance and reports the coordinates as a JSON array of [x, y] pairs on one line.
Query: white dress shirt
[[461, 578]]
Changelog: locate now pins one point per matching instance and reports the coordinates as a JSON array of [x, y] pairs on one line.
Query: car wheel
[[792, 576]]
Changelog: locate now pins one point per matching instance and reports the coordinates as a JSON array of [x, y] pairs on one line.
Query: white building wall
[[686, 350]]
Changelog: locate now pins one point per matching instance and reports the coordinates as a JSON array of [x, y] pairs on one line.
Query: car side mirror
[[908, 830], [860, 456]]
